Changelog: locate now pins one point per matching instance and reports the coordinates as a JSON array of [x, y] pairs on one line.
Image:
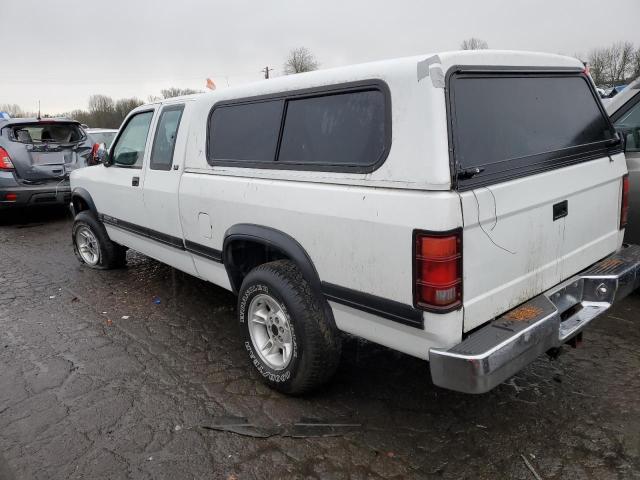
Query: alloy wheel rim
[[270, 331], [88, 247]]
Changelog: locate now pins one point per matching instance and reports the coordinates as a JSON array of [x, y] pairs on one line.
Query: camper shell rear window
[[505, 125]]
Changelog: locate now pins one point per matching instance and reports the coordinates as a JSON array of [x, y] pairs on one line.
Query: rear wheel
[[290, 342], [92, 244]]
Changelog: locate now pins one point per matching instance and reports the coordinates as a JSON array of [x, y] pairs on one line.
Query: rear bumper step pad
[[500, 349]]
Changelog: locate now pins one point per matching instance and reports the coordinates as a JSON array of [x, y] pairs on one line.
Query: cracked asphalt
[[98, 381]]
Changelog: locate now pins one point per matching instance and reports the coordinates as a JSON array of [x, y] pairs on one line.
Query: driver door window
[[129, 150]]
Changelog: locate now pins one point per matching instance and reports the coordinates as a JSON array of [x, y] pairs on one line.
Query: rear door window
[[164, 141], [506, 126]]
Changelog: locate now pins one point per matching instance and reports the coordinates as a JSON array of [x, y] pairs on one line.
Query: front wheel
[[92, 245], [290, 342]]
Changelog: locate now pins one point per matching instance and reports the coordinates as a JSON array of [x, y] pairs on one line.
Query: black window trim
[[121, 131], [166, 108], [575, 155], [285, 96]]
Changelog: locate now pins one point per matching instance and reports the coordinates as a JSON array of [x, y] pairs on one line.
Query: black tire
[[110, 254], [316, 343]]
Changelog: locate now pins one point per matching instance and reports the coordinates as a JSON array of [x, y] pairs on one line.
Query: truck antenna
[[39, 116]]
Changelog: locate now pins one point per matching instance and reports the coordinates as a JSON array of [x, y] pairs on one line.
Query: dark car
[[36, 157], [612, 92]]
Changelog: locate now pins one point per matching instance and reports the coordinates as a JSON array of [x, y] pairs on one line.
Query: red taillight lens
[[438, 270], [624, 202], [11, 197], [5, 160]]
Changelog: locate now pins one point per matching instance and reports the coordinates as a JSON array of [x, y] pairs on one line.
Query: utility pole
[[266, 71]]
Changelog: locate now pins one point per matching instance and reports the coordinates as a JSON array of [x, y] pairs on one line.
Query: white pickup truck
[[466, 208]]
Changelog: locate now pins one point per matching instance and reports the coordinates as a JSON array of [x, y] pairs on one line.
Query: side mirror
[[98, 153], [621, 138]]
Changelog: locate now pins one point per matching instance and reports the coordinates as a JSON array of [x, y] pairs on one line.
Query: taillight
[[5, 160], [437, 270], [624, 202]]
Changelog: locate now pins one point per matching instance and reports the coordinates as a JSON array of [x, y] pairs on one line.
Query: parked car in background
[[624, 111], [101, 135], [486, 230], [101, 139], [612, 92], [36, 157]]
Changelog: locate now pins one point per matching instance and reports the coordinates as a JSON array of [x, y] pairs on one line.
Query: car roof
[[623, 97]]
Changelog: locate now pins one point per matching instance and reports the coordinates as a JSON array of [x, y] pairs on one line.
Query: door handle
[[135, 181], [560, 210]]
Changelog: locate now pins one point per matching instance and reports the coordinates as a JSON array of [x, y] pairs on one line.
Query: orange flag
[[210, 84]]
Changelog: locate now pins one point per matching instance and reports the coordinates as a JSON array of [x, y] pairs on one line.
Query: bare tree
[[123, 106], [597, 62], [619, 58], [102, 111], [635, 64], [177, 92], [300, 60], [474, 44], [613, 65], [12, 109]]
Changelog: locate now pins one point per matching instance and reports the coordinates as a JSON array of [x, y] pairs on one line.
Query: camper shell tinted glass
[[505, 125], [341, 129], [246, 132], [344, 128]]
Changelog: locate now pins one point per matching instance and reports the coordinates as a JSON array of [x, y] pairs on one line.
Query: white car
[[466, 208]]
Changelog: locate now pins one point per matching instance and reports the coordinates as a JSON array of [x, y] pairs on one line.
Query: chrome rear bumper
[[500, 349]]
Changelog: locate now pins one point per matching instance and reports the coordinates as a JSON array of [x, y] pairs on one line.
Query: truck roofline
[[446, 60]]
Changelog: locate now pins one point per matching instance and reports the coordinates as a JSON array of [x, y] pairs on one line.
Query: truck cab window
[[130, 147], [164, 142]]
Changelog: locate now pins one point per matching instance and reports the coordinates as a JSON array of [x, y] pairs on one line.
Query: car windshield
[[58, 132]]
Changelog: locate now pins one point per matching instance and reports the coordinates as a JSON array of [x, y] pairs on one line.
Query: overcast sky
[[62, 51]]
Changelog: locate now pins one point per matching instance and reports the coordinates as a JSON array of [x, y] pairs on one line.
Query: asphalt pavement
[[139, 373]]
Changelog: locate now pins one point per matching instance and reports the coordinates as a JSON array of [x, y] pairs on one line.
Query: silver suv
[[36, 157]]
